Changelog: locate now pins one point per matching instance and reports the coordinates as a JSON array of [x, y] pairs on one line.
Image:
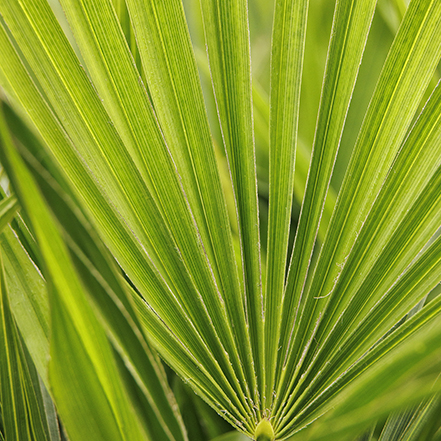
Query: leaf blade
[[227, 39], [288, 44], [351, 26], [172, 77]]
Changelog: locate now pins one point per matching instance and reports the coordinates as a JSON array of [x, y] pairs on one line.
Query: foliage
[[138, 229]]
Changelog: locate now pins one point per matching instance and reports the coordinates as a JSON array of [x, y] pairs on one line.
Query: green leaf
[[408, 69], [98, 274], [51, 414], [128, 249], [111, 67], [8, 209], [28, 300], [404, 217], [127, 28], [261, 132], [23, 414], [288, 43], [366, 364], [426, 423], [172, 76], [124, 212], [368, 435], [418, 423], [402, 377], [396, 425], [418, 280], [227, 40], [351, 26], [81, 393], [87, 125]]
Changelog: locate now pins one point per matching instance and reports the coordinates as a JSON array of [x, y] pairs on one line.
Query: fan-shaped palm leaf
[[121, 156]]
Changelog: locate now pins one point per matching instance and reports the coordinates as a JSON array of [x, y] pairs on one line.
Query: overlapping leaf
[[23, 409]]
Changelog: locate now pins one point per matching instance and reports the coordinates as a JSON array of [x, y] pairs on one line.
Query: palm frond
[[138, 237]]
